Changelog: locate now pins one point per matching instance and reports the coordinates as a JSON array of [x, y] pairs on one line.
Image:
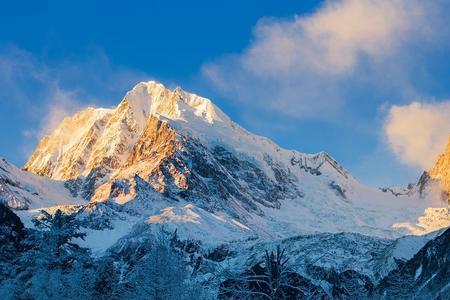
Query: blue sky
[[366, 81]]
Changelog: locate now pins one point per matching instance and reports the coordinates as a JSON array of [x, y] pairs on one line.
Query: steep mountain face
[[173, 157], [441, 171], [182, 168], [68, 151], [101, 138]]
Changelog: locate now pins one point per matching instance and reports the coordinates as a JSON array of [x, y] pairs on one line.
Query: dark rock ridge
[[425, 276]]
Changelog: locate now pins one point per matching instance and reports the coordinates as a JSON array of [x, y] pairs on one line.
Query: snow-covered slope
[[23, 190], [169, 156]]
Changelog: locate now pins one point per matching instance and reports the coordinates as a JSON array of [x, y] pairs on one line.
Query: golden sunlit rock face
[[152, 156], [441, 170], [154, 153], [157, 139], [75, 136]]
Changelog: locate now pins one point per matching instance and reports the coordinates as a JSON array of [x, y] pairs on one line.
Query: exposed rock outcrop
[[441, 171]]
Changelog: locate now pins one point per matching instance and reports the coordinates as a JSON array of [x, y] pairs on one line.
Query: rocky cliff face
[[68, 151], [180, 167], [441, 171]]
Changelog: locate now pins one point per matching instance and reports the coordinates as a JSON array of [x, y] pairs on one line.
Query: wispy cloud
[[60, 104], [417, 133], [48, 91], [307, 66]]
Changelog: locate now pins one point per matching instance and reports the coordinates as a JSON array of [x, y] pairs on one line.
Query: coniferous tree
[[162, 274], [271, 279], [106, 281], [53, 265], [58, 232]]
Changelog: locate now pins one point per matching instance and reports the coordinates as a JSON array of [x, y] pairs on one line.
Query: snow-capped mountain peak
[[97, 137], [181, 149], [152, 98]]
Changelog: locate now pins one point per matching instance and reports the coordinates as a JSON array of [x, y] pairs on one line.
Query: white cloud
[[332, 39], [303, 67], [49, 91], [59, 105], [417, 133], [36, 87]]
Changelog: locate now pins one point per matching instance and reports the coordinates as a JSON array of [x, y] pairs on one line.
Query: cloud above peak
[[418, 132], [47, 91], [306, 63], [331, 39]]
